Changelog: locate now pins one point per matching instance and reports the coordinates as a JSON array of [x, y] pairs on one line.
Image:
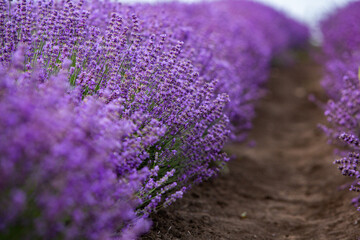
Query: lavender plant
[[234, 42], [340, 47], [341, 81], [56, 178], [179, 126], [110, 112], [349, 164]]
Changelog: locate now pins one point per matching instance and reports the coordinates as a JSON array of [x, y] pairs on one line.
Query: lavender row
[[110, 112], [341, 64], [233, 42]]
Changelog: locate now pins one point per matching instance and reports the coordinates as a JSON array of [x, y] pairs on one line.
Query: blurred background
[[308, 11]]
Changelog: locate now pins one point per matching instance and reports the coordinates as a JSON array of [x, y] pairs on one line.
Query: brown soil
[[283, 188]]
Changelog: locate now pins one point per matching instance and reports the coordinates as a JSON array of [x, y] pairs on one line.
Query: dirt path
[[283, 188]]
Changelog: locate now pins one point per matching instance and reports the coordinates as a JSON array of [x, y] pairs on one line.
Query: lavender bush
[[340, 46], [341, 81], [110, 112], [179, 123], [56, 176], [233, 42]]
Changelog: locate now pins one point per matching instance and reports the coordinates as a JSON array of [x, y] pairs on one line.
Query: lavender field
[[206, 120]]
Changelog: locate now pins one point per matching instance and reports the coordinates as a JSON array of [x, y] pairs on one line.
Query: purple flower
[[110, 112], [341, 81]]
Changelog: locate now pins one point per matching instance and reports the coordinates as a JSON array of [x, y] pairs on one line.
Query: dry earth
[[284, 188]]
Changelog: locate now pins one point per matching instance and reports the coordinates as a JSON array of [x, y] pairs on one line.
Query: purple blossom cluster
[[110, 112], [341, 81], [56, 177], [233, 42], [341, 38]]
